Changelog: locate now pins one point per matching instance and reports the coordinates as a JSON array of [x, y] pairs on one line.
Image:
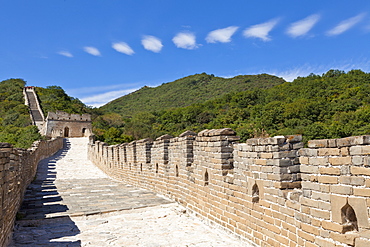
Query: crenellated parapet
[[268, 191], [64, 116], [17, 170]]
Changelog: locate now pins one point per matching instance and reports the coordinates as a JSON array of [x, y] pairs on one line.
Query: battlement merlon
[[63, 116]]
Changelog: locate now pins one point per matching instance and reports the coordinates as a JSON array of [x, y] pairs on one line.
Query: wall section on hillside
[[268, 191], [17, 170]]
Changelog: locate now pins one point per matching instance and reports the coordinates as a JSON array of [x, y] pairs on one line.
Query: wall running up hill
[[268, 191], [17, 170]]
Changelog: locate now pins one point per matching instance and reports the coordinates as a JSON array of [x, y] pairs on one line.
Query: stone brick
[[360, 170], [361, 242], [329, 152], [310, 229], [266, 155], [318, 161], [318, 143], [340, 161], [360, 208], [341, 189], [328, 179], [332, 226], [323, 214], [348, 238], [337, 202], [359, 150], [309, 169], [308, 152], [324, 242], [329, 170], [361, 192]]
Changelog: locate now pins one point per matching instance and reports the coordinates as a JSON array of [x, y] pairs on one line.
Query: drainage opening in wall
[[255, 194], [349, 219], [206, 178]]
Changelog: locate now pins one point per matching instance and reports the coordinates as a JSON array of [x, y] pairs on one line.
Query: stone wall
[[267, 191], [62, 124], [17, 170]]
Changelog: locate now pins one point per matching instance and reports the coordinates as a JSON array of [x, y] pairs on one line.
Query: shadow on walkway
[[36, 225]]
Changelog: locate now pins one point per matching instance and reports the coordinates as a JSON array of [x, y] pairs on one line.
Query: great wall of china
[[269, 191], [17, 170]]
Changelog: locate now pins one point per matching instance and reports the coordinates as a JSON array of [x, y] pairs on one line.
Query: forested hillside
[[186, 91], [54, 98], [333, 105], [15, 122]]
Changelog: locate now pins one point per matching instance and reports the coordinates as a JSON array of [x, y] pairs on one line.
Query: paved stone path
[[73, 203]]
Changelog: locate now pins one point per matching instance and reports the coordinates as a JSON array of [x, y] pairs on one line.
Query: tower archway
[[66, 132]]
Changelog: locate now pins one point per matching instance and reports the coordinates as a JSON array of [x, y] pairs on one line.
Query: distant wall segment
[[59, 123], [62, 124], [268, 191], [17, 170]]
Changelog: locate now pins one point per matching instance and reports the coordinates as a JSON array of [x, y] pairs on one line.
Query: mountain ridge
[[185, 91]]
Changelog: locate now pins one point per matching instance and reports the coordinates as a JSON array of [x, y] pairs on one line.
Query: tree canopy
[[333, 105], [15, 121], [186, 91]]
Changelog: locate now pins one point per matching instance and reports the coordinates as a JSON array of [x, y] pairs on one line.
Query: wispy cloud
[[345, 25], [302, 27], [65, 53], [304, 70], [260, 30], [221, 35], [123, 48], [291, 73], [185, 40], [103, 98], [152, 43], [92, 50]]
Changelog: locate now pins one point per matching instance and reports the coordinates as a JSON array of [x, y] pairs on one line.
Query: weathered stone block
[[329, 170], [318, 143], [329, 152], [360, 171], [341, 161], [328, 179]]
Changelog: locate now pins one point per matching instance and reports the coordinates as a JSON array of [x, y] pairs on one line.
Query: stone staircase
[[35, 110]]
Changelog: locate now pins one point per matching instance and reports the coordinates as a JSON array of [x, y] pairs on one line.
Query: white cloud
[[152, 43], [185, 40], [304, 70], [92, 50], [302, 27], [65, 53], [123, 48], [345, 25], [103, 98], [261, 30], [221, 35]]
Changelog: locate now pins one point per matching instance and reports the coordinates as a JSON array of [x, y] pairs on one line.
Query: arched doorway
[[66, 132]]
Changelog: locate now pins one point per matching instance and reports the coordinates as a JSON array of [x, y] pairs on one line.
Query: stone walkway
[[73, 203]]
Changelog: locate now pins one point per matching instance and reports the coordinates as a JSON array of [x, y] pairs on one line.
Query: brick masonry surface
[[268, 191], [17, 170]]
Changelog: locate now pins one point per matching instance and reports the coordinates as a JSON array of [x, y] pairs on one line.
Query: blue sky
[[99, 50]]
